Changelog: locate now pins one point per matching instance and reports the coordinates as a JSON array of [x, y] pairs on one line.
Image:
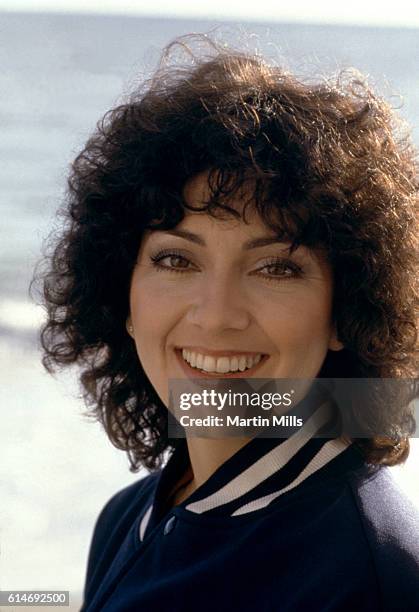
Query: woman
[[229, 220]]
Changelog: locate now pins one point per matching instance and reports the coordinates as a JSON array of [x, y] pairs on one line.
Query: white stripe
[[328, 452], [144, 522], [265, 466]]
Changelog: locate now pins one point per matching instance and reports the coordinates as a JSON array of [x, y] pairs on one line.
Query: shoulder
[[390, 522], [122, 501], [113, 523]]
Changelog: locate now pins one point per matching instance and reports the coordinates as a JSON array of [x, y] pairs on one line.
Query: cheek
[[143, 300], [301, 322], [153, 313]]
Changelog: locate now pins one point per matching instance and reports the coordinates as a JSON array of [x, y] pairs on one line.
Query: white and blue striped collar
[[255, 476]]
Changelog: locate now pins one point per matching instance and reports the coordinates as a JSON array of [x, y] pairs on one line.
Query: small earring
[[130, 329]]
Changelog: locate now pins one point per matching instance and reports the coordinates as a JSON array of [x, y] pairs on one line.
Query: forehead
[[227, 232], [197, 192]]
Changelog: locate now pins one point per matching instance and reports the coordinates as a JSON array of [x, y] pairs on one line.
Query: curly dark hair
[[331, 165]]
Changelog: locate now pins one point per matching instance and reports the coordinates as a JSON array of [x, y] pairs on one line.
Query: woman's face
[[215, 294]]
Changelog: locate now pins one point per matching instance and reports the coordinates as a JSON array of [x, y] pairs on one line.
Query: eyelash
[[286, 263]]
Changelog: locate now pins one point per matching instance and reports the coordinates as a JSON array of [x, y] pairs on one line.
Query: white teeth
[[220, 365], [242, 364], [223, 365], [234, 364], [209, 364]]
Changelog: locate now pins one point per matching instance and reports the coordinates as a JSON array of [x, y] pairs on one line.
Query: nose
[[220, 305]]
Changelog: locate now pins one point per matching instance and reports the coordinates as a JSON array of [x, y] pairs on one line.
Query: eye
[[281, 269], [174, 257]]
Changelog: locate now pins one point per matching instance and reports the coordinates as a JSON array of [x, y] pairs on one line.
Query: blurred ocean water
[[59, 75]]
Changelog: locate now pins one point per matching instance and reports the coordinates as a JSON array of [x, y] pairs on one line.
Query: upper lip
[[218, 353]]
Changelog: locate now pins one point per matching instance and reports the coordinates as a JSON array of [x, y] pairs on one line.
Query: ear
[[334, 343], [129, 327]]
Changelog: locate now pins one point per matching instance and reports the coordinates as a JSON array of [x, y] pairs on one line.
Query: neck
[[208, 454]]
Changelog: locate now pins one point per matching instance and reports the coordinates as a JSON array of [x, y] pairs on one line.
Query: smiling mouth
[[192, 370]]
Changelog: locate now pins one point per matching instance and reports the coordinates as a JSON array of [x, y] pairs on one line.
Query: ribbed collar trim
[[256, 475]]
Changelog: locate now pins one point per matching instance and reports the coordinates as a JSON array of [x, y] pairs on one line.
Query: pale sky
[[356, 12]]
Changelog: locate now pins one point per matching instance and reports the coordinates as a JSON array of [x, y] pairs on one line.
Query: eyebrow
[[247, 246]]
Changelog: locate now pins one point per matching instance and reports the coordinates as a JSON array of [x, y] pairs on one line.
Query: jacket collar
[[257, 474]]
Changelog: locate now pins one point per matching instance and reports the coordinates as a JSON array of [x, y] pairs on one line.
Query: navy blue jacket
[[284, 525]]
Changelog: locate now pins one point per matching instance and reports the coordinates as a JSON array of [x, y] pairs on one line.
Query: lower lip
[[195, 373]]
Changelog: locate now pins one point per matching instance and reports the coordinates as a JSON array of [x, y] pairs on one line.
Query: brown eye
[[280, 269], [177, 262]]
